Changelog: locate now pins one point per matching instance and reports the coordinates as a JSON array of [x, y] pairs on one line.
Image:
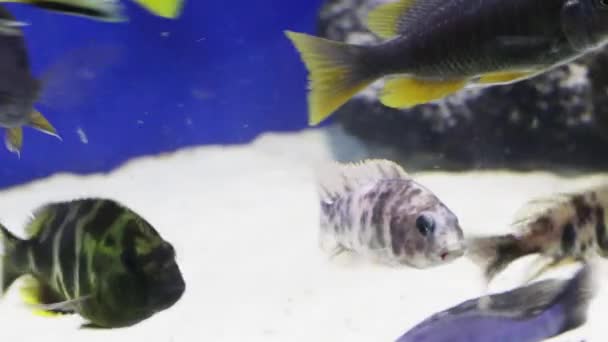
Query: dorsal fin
[[394, 18], [338, 178]]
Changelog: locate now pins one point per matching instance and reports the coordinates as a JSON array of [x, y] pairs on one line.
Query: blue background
[[224, 74]]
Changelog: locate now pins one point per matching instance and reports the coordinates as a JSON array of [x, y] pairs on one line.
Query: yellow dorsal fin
[[385, 19], [405, 92]]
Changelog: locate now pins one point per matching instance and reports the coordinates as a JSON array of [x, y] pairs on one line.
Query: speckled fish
[[19, 90], [560, 229], [436, 48], [93, 257], [533, 313], [376, 209], [105, 10]]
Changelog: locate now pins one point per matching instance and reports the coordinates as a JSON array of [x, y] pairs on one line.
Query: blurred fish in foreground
[[536, 312], [561, 228], [376, 209], [93, 257], [436, 48], [105, 10], [19, 90]]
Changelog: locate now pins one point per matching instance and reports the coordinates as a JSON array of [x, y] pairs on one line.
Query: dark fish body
[[19, 90], [528, 314], [105, 10], [436, 48], [560, 228], [375, 209], [480, 37], [96, 258]]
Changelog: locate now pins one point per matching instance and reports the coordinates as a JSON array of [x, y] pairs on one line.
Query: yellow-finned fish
[[105, 10], [436, 48], [19, 89]]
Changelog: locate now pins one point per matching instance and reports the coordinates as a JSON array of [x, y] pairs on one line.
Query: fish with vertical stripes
[[560, 228], [93, 257], [376, 209]]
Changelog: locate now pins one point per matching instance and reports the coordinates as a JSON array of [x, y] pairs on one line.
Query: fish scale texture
[[560, 117]]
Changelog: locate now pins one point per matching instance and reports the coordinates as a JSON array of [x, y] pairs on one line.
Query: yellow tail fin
[[163, 8], [334, 73]]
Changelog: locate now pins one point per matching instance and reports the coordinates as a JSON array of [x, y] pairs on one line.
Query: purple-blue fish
[[534, 312]]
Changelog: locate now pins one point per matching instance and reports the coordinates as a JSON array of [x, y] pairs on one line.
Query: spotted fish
[[92, 257], [376, 209], [559, 228]]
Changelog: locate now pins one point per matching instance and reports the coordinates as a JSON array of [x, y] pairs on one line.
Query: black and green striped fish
[[93, 257]]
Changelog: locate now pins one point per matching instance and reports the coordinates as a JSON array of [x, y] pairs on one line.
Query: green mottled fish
[[19, 90], [105, 10], [436, 48], [93, 257]]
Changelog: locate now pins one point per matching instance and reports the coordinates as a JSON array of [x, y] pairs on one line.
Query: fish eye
[[425, 225]]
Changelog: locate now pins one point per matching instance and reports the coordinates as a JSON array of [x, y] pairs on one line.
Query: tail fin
[[163, 8], [494, 253], [576, 297], [9, 245], [335, 73]]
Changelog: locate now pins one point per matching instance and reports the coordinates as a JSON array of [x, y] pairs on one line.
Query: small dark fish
[[436, 48], [533, 313], [376, 209], [93, 257], [105, 10], [561, 228], [19, 90]]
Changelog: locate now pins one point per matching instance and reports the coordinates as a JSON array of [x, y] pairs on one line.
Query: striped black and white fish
[[559, 228], [376, 209], [93, 257]]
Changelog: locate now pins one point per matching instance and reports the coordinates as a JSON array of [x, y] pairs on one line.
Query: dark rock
[[560, 117]]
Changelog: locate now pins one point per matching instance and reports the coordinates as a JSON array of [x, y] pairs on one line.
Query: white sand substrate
[[244, 222]]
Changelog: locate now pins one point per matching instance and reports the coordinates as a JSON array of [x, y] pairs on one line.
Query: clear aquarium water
[[201, 125]]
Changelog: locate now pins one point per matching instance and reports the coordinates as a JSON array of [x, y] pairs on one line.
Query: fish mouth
[[451, 254]]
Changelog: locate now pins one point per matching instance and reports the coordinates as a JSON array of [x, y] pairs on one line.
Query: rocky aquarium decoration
[[558, 118]]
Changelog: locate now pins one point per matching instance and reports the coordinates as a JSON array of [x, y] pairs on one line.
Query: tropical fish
[[19, 90], [436, 48], [560, 228], [105, 10], [376, 209], [93, 257], [533, 313]]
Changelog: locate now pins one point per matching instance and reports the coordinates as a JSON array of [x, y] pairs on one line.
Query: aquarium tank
[[327, 170]]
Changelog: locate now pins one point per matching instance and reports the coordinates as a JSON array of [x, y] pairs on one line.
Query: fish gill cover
[[206, 78]]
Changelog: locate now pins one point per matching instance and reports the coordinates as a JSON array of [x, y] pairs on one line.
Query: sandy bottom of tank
[[244, 219]]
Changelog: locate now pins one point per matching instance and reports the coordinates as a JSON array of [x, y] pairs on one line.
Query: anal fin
[[42, 298], [13, 140], [405, 92], [504, 77]]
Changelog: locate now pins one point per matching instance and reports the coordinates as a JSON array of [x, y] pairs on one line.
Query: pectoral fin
[[40, 123], [505, 77], [407, 92]]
